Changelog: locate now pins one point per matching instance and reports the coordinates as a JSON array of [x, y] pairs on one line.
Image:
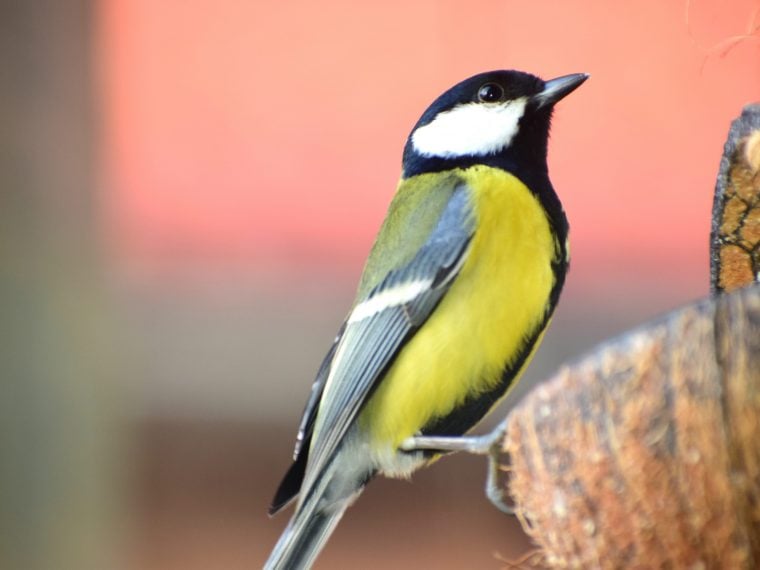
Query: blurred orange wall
[[269, 134]]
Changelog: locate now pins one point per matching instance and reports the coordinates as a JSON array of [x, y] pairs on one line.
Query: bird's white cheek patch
[[477, 129]]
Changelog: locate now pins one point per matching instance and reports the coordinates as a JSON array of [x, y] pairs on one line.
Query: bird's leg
[[478, 444], [489, 444]]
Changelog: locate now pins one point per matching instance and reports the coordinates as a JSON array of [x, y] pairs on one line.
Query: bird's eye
[[490, 93]]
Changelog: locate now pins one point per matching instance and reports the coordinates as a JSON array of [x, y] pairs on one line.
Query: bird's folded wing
[[381, 323], [306, 426]]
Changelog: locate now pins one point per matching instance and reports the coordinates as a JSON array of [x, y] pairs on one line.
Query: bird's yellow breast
[[497, 303]]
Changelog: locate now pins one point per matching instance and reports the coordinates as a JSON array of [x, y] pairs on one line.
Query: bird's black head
[[499, 118]]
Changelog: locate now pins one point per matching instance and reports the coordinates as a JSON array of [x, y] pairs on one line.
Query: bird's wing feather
[[310, 411], [380, 324], [291, 482]]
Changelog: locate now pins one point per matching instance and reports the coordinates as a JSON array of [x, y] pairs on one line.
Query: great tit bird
[[454, 299]]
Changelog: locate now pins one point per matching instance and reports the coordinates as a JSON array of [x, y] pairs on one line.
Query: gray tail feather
[[303, 538], [320, 507]]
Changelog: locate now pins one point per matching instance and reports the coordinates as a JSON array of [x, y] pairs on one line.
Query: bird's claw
[[489, 444]]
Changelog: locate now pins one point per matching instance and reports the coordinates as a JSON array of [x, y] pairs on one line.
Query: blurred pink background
[[242, 157]]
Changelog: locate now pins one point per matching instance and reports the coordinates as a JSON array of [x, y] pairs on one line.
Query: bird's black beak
[[556, 89]]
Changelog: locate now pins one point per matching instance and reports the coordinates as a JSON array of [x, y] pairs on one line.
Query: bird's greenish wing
[[394, 303], [412, 216]]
